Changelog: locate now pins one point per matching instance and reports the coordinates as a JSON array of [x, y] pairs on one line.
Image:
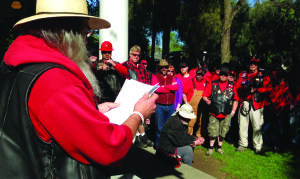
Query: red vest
[[165, 98]]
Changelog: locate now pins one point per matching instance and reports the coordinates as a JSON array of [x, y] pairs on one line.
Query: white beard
[[91, 77]]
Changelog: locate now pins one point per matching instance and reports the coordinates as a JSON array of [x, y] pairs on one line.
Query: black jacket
[[174, 134]]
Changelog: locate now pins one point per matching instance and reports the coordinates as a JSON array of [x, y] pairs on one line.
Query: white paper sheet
[[130, 93]]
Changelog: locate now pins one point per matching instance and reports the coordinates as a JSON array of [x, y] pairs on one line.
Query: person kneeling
[[175, 139]]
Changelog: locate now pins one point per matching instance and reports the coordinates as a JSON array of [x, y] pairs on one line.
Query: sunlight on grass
[[246, 164]]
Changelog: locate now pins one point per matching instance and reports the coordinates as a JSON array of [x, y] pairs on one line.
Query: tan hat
[[186, 111], [163, 62], [63, 8]]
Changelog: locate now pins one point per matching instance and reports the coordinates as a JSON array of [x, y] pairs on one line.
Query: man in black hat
[[223, 100]]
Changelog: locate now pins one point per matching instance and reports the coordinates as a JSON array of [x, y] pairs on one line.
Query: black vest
[[221, 101], [258, 83], [22, 153]]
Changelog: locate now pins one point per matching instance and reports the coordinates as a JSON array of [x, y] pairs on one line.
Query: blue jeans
[[162, 114], [186, 153]]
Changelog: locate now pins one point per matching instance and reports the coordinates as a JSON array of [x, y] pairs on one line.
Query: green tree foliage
[[174, 42], [241, 36], [199, 26], [275, 29], [139, 19]]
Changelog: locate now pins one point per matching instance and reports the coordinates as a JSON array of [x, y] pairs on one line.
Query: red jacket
[[62, 108], [266, 88], [280, 98]]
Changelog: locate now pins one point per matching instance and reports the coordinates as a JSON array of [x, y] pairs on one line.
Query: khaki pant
[[257, 119], [197, 96]]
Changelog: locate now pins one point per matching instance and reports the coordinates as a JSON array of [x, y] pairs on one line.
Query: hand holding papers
[[130, 93]]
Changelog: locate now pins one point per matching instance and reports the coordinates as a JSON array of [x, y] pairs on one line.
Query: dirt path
[[209, 165]]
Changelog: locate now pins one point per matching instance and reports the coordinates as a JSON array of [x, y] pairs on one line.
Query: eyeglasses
[[254, 63], [105, 52], [224, 74], [136, 55], [164, 67]]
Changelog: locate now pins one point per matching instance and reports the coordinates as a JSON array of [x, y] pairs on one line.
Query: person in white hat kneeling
[[174, 136]]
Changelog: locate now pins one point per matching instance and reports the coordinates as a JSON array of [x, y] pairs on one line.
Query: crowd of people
[[224, 101]]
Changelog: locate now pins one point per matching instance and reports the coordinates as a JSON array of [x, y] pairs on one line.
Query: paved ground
[[141, 163]]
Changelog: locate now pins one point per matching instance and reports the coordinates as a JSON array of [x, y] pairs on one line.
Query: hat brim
[[188, 116], [95, 23]]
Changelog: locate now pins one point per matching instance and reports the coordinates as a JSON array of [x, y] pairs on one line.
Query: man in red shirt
[[192, 94], [166, 92], [184, 75], [52, 126], [252, 88], [223, 100], [132, 69]]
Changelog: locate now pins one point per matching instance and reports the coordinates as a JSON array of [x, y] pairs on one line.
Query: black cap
[[224, 70], [182, 65], [200, 71]]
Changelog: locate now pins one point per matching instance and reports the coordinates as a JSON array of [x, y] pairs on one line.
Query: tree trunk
[[153, 45], [166, 42], [229, 14]]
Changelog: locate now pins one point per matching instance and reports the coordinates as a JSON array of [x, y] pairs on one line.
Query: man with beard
[[222, 98], [252, 88], [192, 94], [166, 93], [50, 123], [110, 81]]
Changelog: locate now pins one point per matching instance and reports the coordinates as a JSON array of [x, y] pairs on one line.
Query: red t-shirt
[[188, 88], [183, 79]]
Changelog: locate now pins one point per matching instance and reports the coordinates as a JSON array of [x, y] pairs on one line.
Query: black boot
[[139, 142], [147, 141]]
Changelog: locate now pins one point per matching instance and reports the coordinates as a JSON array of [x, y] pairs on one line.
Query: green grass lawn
[[247, 164]]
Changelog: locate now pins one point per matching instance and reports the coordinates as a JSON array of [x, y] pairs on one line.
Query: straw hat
[[63, 8], [163, 62], [186, 111]]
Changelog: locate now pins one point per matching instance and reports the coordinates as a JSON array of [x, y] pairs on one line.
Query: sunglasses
[[136, 55], [144, 63], [170, 71], [105, 52], [254, 63], [223, 74], [164, 67], [233, 75]]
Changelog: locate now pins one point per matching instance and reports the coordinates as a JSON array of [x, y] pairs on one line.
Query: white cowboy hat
[[186, 111], [63, 8]]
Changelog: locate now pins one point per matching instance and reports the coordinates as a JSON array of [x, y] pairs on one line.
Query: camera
[[108, 64]]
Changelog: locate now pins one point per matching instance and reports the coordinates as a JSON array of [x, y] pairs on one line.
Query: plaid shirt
[[140, 70], [281, 98]]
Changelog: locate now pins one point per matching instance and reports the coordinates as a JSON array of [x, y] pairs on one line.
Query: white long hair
[[68, 36]]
